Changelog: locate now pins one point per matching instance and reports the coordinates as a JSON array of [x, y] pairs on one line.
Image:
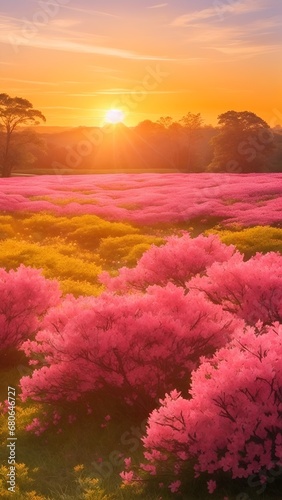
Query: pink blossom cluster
[[248, 200], [232, 419], [133, 345], [25, 296], [176, 262], [181, 302]]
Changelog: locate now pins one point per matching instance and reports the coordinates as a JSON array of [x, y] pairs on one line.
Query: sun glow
[[114, 116]]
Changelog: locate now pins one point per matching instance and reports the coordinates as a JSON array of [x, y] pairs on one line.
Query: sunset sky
[[76, 59]]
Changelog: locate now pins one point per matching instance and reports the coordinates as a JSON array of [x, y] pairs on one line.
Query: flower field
[[151, 198], [140, 323]]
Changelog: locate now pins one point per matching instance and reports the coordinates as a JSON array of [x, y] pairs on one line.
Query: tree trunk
[[6, 167]]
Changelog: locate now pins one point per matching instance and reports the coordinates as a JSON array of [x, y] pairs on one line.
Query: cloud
[[76, 47], [61, 107], [158, 6], [251, 38], [124, 91], [103, 69], [90, 12], [32, 82], [65, 23], [248, 50], [216, 12], [15, 33]]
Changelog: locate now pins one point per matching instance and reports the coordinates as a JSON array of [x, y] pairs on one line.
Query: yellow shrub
[[24, 481], [126, 250], [52, 259], [72, 250], [90, 488], [137, 251], [6, 231], [252, 240], [86, 230], [78, 288]]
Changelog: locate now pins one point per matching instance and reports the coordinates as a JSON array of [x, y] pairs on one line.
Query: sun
[[114, 116]]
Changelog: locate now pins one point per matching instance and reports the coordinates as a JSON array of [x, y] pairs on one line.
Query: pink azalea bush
[[232, 419], [133, 346], [177, 261], [249, 289], [25, 296]]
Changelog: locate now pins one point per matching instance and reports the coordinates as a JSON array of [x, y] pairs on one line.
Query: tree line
[[242, 142]]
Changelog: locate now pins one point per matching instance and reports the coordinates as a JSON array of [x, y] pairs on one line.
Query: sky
[[76, 59]]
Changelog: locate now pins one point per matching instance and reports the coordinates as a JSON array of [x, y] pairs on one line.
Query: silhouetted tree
[[192, 128], [147, 128], [15, 112], [165, 121], [243, 143]]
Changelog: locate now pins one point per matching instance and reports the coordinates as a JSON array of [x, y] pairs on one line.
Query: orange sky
[[74, 60]]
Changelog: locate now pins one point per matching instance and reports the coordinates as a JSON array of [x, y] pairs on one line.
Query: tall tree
[[192, 127], [243, 143], [14, 112]]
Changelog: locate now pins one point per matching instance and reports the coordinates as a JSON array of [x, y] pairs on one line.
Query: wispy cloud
[[158, 6], [103, 69], [61, 107], [12, 33], [124, 92], [65, 23], [4, 63], [90, 11], [212, 13], [76, 47], [245, 39], [248, 50], [29, 82]]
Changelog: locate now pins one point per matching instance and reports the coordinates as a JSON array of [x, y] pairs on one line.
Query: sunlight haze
[[75, 60]]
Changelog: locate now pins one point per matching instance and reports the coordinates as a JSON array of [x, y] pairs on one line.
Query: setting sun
[[114, 116]]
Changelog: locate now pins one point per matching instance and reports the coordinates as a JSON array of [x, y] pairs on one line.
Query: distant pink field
[[248, 200]]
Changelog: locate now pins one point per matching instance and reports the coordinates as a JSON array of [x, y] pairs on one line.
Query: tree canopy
[[242, 144], [14, 112]]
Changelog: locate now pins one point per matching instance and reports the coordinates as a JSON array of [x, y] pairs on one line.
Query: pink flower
[[211, 486], [108, 418], [174, 487], [127, 477], [127, 462], [149, 468]]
